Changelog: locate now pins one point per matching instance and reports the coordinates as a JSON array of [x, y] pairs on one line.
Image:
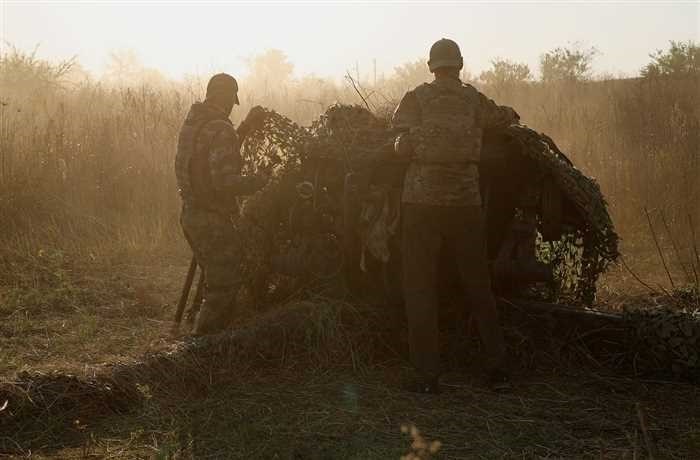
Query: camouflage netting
[[666, 335], [286, 152], [353, 140], [593, 245], [671, 339], [582, 190], [275, 150]]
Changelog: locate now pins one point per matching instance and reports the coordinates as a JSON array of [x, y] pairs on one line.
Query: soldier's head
[[222, 91], [445, 58]]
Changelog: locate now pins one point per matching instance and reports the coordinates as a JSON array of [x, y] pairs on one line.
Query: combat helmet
[[445, 53]]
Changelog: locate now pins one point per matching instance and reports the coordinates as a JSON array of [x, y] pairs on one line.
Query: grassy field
[[329, 397], [92, 260], [327, 401], [328, 414]]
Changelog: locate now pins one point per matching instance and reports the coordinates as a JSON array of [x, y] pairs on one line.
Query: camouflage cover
[[349, 142], [668, 337], [583, 191]]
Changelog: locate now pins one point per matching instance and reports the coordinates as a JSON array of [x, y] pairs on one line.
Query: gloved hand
[[256, 117]]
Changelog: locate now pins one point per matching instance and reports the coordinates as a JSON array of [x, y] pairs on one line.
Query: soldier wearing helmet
[[208, 170], [441, 126]]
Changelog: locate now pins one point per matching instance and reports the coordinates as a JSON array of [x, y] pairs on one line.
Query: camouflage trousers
[[217, 250]]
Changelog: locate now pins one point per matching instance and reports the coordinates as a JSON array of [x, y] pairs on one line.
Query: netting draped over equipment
[[309, 192], [583, 252], [278, 144]]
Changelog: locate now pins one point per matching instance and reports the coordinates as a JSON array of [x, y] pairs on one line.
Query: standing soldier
[[208, 170], [441, 125]]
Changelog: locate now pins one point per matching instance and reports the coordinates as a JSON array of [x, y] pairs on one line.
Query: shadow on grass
[[323, 381], [324, 414]]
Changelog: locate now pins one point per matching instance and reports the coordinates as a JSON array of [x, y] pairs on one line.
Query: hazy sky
[[328, 38]]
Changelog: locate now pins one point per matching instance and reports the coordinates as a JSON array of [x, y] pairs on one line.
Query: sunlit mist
[[328, 39]]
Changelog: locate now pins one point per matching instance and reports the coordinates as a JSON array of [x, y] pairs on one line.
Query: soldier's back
[[447, 146]]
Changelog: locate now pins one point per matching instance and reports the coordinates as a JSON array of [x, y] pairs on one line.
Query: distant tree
[[404, 77], [272, 65], [567, 64], [25, 72], [412, 74], [123, 65], [505, 73], [682, 58], [269, 77], [125, 68]]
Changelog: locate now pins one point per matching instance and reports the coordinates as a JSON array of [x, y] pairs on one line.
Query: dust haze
[[93, 255]]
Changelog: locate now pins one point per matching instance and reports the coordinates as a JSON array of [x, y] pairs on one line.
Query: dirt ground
[[322, 410]]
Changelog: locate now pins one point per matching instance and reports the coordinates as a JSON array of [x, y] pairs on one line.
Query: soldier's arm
[[243, 130], [491, 115], [407, 113], [254, 120], [225, 166], [406, 116]]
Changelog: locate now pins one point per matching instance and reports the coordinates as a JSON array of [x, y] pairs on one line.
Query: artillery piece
[[331, 213], [334, 208]]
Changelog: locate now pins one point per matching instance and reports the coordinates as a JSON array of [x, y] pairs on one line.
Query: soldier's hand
[[512, 114], [256, 117]]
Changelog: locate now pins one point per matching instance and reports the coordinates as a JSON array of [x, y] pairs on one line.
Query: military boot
[[211, 320]]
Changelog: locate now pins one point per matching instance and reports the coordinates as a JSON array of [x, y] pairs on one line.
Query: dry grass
[[73, 311], [91, 259], [322, 415], [307, 382], [89, 166]]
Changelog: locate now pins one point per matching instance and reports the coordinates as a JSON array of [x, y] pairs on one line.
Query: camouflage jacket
[[208, 161], [444, 121]]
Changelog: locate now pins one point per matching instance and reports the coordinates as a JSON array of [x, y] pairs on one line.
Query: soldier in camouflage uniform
[[441, 127], [208, 170]]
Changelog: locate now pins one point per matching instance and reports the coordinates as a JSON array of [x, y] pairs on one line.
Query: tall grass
[[84, 163], [639, 138]]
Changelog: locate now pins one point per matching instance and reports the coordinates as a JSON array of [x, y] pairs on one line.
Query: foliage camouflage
[[350, 139], [668, 336], [594, 243]]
